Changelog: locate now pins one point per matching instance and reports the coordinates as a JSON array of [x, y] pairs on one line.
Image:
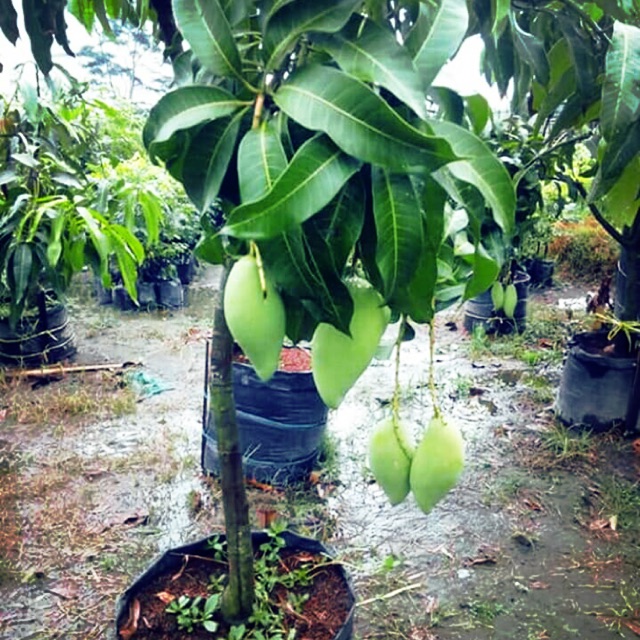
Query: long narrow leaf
[[19, 270], [209, 155], [358, 120], [371, 53], [9, 21], [291, 20], [398, 221], [483, 170], [436, 36], [314, 176], [261, 161], [184, 108], [621, 87], [204, 25]]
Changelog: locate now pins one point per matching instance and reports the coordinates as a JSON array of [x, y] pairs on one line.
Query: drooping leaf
[[485, 271], [204, 25], [483, 170], [621, 86], [290, 20], [184, 108], [358, 120], [313, 177], [416, 299], [40, 40], [531, 50], [9, 21], [618, 154], [308, 276], [261, 161], [19, 269], [436, 36], [478, 111], [450, 103], [371, 53], [208, 158], [398, 219], [339, 224], [581, 48]]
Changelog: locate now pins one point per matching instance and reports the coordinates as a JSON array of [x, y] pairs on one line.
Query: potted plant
[[281, 421], [48, 233]]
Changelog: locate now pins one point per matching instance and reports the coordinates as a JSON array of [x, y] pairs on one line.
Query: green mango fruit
[[390, 459], [510, 300], [437, 463], [256, 318], [338, 360], [497, 295]]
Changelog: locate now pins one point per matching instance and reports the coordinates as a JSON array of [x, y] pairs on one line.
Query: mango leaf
[[436, 36], [210, 248], [371, 53], [340, 223], [499, 11], [396, 211], [9, 21], [531, 50], [313, 177], [621, 87], [19, 267], [290, 20], [485, 271], [235, 10], [152, 214], [129, 254], [451, 105], [416, 299], [261, 161], [308, 276], [581, 47], [184, 108], [478, 111], [622, 201], [40, 40], [92, 226], [482, 170], [208, 159], [358, 120], [54, 244], [618, 154], [204, 25]]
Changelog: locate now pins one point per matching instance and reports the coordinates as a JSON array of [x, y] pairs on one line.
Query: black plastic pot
[[595, 387], [173, 561], [479, 311], [625, 265], [122, 300], [146, 295], [45, 338], [541, 272], [281, 424], [187, 271], [170, 294]]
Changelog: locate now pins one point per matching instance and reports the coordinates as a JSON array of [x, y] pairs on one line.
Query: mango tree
[[316, 132]]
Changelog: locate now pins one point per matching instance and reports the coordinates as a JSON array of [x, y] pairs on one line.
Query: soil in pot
[[298, 587]]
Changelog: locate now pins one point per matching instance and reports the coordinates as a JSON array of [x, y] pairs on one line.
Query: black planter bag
[[281, 423], [46, 338], [171, 561]]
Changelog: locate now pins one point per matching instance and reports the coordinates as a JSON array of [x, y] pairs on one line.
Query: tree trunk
[[237, 599]]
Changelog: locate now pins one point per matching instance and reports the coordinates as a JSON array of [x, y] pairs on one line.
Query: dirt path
[[539, 540]]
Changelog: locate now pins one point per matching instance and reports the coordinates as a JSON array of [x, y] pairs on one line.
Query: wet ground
[[100, 470]]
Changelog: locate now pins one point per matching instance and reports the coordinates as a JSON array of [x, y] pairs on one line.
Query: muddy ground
[[99, 471]]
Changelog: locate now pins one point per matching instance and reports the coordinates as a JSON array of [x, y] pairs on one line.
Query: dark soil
[[325, 611]]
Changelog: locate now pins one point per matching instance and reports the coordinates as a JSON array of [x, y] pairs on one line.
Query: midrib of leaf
[[394, 227], [202, 108], [363, 123], [292, 192]]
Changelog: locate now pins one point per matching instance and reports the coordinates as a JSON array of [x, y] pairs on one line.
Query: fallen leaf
[[538, 584], [131, 625], [165, 596], [634, 625]]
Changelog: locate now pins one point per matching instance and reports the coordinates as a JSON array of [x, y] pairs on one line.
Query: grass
[[620, 498], [543, 341], [568, 445]]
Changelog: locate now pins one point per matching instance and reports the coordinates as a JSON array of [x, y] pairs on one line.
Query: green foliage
[[48, 230]]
